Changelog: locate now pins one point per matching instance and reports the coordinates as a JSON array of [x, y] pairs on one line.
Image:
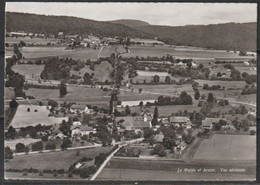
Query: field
[[159, 51], [227, 147], [41, 52], [52, 160], [139, 169], [26, 141], [29, 40], [165, 111], [23, 118], [9, 93], [31, 72]]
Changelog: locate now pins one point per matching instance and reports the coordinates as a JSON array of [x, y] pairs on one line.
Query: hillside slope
[[130, 22], [73, 25], [230, 36]]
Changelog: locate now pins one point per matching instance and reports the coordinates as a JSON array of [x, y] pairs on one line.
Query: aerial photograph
[[122, 91]]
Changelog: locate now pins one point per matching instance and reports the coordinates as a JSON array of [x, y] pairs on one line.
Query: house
[[134, 124], [180, 121], [81, 130], [76, 123], [207, 124]]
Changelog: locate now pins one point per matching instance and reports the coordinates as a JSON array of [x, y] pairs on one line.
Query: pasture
[[53, 160], [144, 169], [78, 94], [29, 71], [42, 52], [24, 118], [82, 54], [159, 51], [227, 147], [8, 93], [28, 40]]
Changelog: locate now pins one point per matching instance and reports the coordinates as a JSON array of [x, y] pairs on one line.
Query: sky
[[172, 14]]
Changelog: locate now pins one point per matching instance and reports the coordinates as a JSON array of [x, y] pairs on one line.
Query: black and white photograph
[[120, 91]]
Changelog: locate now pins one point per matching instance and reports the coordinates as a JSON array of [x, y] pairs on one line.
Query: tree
[[11, 133], [155, 116], [156, 79], [189, 64], [185, 98], [141, 104], [197, 95], [63, 89], [148, 133], [20, 147], [38, 146], [167, 79], [211, 98], [158, 150], [66, 143], [235, 74], [219, 74], [127, 110], [8, 153], [65, 128], [22, 43], [13, 104], [50, 146], [169, 139], [140, 90]]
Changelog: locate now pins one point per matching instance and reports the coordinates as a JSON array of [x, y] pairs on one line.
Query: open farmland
[[24, 118], [165, 90], [227, 147], [53, 160], [28, 40], [159, 51], [9, 93], [42, 52], [29, 71], [140, 169], [82, 54], [79, 94]]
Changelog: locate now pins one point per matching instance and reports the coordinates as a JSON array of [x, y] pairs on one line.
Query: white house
[[82, 130]]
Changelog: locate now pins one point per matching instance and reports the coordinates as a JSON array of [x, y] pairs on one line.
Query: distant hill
[[229, 36], [73, 25], [130, 22]]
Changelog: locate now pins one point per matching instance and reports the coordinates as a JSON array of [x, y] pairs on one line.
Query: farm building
[[208, 123], [81, 130], [180, 121], [135, 124]]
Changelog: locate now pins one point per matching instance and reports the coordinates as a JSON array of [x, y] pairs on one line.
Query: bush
[[38, 146]]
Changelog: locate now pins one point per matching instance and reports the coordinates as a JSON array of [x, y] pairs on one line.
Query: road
[[120, 145], [57, 150]]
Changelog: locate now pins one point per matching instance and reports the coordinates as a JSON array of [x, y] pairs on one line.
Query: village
[[99, 107]]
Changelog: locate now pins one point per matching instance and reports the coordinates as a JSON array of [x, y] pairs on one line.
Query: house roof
[[130, 123], [82, 127], [209, 121], [179, 119]]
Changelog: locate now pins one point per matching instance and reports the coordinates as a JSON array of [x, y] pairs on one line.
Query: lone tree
[[20, 147], [63, 89], [127, 110], [211, 98], [197, 95], [155, 116], [8, 153], [167, 79], [156, 79], [140, 90]]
